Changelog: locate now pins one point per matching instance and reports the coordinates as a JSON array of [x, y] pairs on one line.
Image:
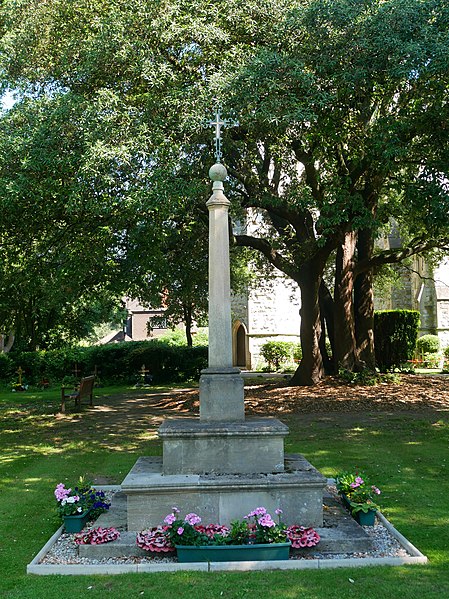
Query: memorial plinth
[[194, 447], [221, 395], [223, 497]]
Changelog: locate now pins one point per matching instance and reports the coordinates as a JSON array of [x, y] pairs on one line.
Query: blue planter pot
[[233, 553], [77, 522]]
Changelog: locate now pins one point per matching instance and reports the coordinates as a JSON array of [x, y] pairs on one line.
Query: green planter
[[233, 553], [77, 522], [345, 501], [365, 519]]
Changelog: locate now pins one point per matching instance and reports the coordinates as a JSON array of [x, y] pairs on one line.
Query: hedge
[[428, 344], [395, 335], [120, 362]]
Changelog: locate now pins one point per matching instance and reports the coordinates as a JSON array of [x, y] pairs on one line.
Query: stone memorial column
[[221, 385]]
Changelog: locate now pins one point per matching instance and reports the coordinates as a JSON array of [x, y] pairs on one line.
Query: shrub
[[297, 352], [277, 353], [119, 362], [367, 377], [395, 335], [428, 344]]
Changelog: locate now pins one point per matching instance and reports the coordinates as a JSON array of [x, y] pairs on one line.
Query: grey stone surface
[[221, 395], [220, 326], [116, 515], [124, 546], [298, 491], [192, 446]]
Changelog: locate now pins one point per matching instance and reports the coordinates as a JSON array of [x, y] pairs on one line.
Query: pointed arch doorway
[[240, 348]]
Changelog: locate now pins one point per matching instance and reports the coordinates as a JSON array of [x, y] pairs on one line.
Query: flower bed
[[257, 528]]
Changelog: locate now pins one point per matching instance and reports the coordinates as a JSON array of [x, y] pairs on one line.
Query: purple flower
[[175, 510], [61, 492], [192, 519], [267, 521], [357, 483], [259, 511], [375, 490], [169, 519], [180, 530], [278, 511]]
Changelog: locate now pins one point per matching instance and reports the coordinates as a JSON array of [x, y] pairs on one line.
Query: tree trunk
[[345, 342], [6, 347], [311, 369], [188, 324], [364, 303], [327, 323]]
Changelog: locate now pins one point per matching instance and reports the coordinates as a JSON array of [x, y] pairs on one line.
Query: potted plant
[[75, 506], [256, 537], [358, 495]]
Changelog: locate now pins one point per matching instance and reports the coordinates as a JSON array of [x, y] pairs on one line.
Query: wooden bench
[[85, 389]]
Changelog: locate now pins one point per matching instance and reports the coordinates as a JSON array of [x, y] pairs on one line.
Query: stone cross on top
[[218, 123]]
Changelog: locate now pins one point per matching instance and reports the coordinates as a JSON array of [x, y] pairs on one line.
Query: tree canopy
[[342, 108]]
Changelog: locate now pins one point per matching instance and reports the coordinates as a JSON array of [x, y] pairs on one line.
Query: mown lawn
[[405, 454]]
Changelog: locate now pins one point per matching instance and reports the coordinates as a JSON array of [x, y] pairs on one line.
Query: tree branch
[[274, 257], [398, 255]]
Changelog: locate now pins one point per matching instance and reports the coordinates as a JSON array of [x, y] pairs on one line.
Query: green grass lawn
[[406, 456]]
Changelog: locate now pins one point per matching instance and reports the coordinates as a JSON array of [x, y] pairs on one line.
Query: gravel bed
[[384, 545]]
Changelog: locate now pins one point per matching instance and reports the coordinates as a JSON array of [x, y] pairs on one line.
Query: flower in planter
[[359, 492], [265, 528], [83, 497], [69, 503], [97, 536], [98, 503], [258, 527]]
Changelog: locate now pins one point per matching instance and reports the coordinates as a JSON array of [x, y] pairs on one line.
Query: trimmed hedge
[[428, 344], [118, 362], [395, 335]]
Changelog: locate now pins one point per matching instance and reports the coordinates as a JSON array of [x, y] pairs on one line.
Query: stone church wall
[[269, 312]]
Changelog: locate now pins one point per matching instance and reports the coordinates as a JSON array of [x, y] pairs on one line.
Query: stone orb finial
[[218, 172]]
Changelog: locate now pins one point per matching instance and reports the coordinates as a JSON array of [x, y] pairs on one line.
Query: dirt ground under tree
[[416, 396]]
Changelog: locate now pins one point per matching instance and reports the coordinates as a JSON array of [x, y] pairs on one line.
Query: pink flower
[[267, 521], [169, 519], [259, 511], [302, 537], [192, 519], [61, 492], [180, 530], [375, 490], [278, 511]]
